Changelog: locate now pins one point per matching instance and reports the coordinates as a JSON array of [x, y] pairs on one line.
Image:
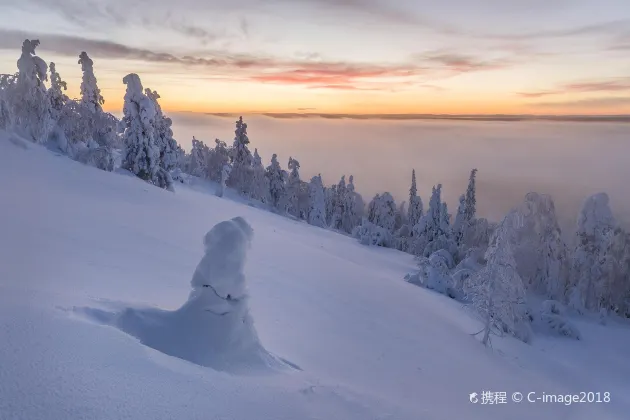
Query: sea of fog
[[568, 160]]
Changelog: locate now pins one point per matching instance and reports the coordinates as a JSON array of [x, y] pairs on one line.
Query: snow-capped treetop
[[31, 68], [90, 93], [257, 161], [294, 168], [595, 218], [415, 210]]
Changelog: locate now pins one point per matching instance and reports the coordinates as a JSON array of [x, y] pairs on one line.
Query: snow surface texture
[[370, 345]]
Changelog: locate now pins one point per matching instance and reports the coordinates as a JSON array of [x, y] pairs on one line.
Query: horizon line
[[413, 116]]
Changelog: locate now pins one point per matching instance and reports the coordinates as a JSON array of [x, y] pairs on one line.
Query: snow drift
[[214, 327]]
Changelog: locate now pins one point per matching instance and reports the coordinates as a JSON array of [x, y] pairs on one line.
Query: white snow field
[[343, 335]]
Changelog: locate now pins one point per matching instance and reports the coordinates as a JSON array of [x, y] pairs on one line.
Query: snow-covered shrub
[[551, 320], [97, 156], [370, 234]]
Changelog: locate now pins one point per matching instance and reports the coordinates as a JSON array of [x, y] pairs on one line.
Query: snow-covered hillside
[[358, 341]]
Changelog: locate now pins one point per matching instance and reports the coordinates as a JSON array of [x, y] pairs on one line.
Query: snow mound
[[214, 327]]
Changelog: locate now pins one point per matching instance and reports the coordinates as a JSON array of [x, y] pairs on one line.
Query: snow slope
[[368, 345]]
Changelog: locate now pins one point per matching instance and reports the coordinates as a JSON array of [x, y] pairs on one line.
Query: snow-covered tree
[[56, 96], [382, 211], [90, 93], [339, 203], [433, 232], [371, 234], [225, 174], [541, 254], [198, 163], [169, 149], [496, 292], [589, 269], [241, 159], [352, 206], [141, 156], [401, 216], [216, 159], [415, 210], [293, 188], [330, 194], [260, 185], [27, 97], [466, 213], [277, 187], [317, 202]]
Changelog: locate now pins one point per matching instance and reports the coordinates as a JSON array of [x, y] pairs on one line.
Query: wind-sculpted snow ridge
[[214, 327]]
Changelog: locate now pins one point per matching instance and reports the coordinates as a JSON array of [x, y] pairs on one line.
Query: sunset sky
[[340, 56]]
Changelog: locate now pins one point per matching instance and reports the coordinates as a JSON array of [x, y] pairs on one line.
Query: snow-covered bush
[[552, 320], [373, 235]]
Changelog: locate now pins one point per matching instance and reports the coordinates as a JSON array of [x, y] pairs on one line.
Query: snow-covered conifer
[[90, 93], [293, 188], [260, 185], [241, 159], [225, 175], [216, 159], [382, 211], [56, 95], [141, 156], [277, 188], [589, 271], [496, 291], [317, 202], [198, 164], [27, 98], [433, 231], [415, 210], [352, 206], [168, 147]]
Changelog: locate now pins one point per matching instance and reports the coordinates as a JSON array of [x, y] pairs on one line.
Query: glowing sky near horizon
[[340, 56]]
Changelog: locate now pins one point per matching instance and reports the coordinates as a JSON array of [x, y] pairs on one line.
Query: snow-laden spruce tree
[[466, 213], [216, 159], [27, 97], [496, 292], [198, 162], [293, 188], [338, 204], [330, 194], [317, 202], [56, 96], [415, 210], [169, 149], [352, 207], [541, 254], [141, 155], [277, 184], [90, 93], [589, 269], [382, 211], [7, 84], [241, 159], [433, 232], [260, 185], [616, 264]]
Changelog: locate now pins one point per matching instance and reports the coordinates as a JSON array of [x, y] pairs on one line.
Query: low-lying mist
[[568, 160]]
